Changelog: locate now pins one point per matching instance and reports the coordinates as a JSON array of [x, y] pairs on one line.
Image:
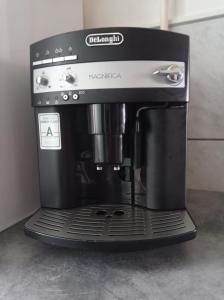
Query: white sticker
[[49, 131]]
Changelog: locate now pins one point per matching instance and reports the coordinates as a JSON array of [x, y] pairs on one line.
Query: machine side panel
[[165, 158]]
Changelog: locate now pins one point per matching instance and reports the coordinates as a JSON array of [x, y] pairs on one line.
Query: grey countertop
[[192, 270]]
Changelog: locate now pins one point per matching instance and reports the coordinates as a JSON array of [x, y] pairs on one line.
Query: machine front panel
[[110, 65]]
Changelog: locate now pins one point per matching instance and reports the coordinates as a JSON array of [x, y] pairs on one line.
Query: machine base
[[111, 226]]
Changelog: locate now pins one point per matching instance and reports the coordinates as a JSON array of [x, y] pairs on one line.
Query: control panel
[[110, 65], [109, 75]]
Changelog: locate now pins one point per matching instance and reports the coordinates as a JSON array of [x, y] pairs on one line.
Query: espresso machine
[[110, 108]]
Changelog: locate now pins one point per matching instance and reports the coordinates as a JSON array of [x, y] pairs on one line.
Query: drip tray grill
[[109, 223]]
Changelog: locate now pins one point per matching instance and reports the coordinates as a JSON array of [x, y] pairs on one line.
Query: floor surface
[[193, 270]]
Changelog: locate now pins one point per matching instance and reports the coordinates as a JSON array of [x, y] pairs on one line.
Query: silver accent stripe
[[47, 61], [71, 57], [37, 63], [105, 75], [58, 59]]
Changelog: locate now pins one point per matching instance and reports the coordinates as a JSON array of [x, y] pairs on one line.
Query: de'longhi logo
[[104, 39]]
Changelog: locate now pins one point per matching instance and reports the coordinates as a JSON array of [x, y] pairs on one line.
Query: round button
[[75, 96], [65, 97]]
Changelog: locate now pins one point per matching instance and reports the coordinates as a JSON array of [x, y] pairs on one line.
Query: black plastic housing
[[119, 176]]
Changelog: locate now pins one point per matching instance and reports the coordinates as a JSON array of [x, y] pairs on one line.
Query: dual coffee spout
[[107, 124]]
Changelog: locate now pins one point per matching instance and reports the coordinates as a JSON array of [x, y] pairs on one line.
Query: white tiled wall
[[146, 13], [206, 165], [206, 113], [206, 117]]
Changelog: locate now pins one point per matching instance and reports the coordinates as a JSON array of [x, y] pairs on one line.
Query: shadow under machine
[[110, 107]]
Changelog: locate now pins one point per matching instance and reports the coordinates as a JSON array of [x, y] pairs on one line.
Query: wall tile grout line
[[206, 139]]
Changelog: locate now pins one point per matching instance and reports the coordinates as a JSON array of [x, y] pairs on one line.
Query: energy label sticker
[[49, 131]]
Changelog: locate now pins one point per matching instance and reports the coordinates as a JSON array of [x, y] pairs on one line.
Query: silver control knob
[[173, 73], [68, 78], [41, 80]]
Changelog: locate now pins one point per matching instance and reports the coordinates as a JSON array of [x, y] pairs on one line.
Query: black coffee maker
[[110, 108]]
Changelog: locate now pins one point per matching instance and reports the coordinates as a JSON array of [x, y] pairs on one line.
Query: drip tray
[[110, 225]]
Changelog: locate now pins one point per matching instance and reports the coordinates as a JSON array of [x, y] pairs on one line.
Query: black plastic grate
[[108, 223], [167, 222]]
